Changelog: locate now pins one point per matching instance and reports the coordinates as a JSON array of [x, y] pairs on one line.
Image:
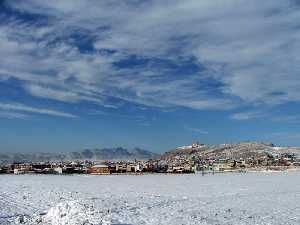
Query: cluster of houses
[[266, 162], [89, 167], [78, 167]]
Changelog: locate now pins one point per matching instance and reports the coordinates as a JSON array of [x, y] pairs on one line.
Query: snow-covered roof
[[100, 166]]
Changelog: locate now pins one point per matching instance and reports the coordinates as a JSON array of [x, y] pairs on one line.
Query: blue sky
[[154, 74]]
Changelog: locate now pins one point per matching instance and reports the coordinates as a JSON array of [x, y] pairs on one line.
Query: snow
[[232, 198], [277, 148], [185, 147]]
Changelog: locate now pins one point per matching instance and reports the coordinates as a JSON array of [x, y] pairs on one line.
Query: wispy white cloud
[[139, 119], [250, 48], [286, 118], [195, 129], [59, 94], [247, 115], [13, 115], [13, 110]]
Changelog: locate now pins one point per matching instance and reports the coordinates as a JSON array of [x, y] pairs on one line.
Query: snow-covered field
[[251, 198]]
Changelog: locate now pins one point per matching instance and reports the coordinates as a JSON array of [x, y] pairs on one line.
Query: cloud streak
[[247, 115], [12, 109], [195, 130], [12, 115]]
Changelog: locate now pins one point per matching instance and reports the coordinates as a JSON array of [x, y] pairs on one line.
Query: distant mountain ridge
[[117, 153]]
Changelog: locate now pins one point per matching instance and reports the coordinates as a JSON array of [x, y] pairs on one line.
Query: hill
[[233, 151]]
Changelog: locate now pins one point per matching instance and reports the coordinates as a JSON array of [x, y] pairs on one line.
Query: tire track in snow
[[10, 202]]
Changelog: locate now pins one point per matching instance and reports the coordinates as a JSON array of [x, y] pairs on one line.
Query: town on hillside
[[240, 157]]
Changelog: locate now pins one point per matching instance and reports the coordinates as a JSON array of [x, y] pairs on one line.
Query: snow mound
[[71, 213]]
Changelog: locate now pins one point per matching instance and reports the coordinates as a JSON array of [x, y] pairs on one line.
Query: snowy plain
[[231, 198]]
